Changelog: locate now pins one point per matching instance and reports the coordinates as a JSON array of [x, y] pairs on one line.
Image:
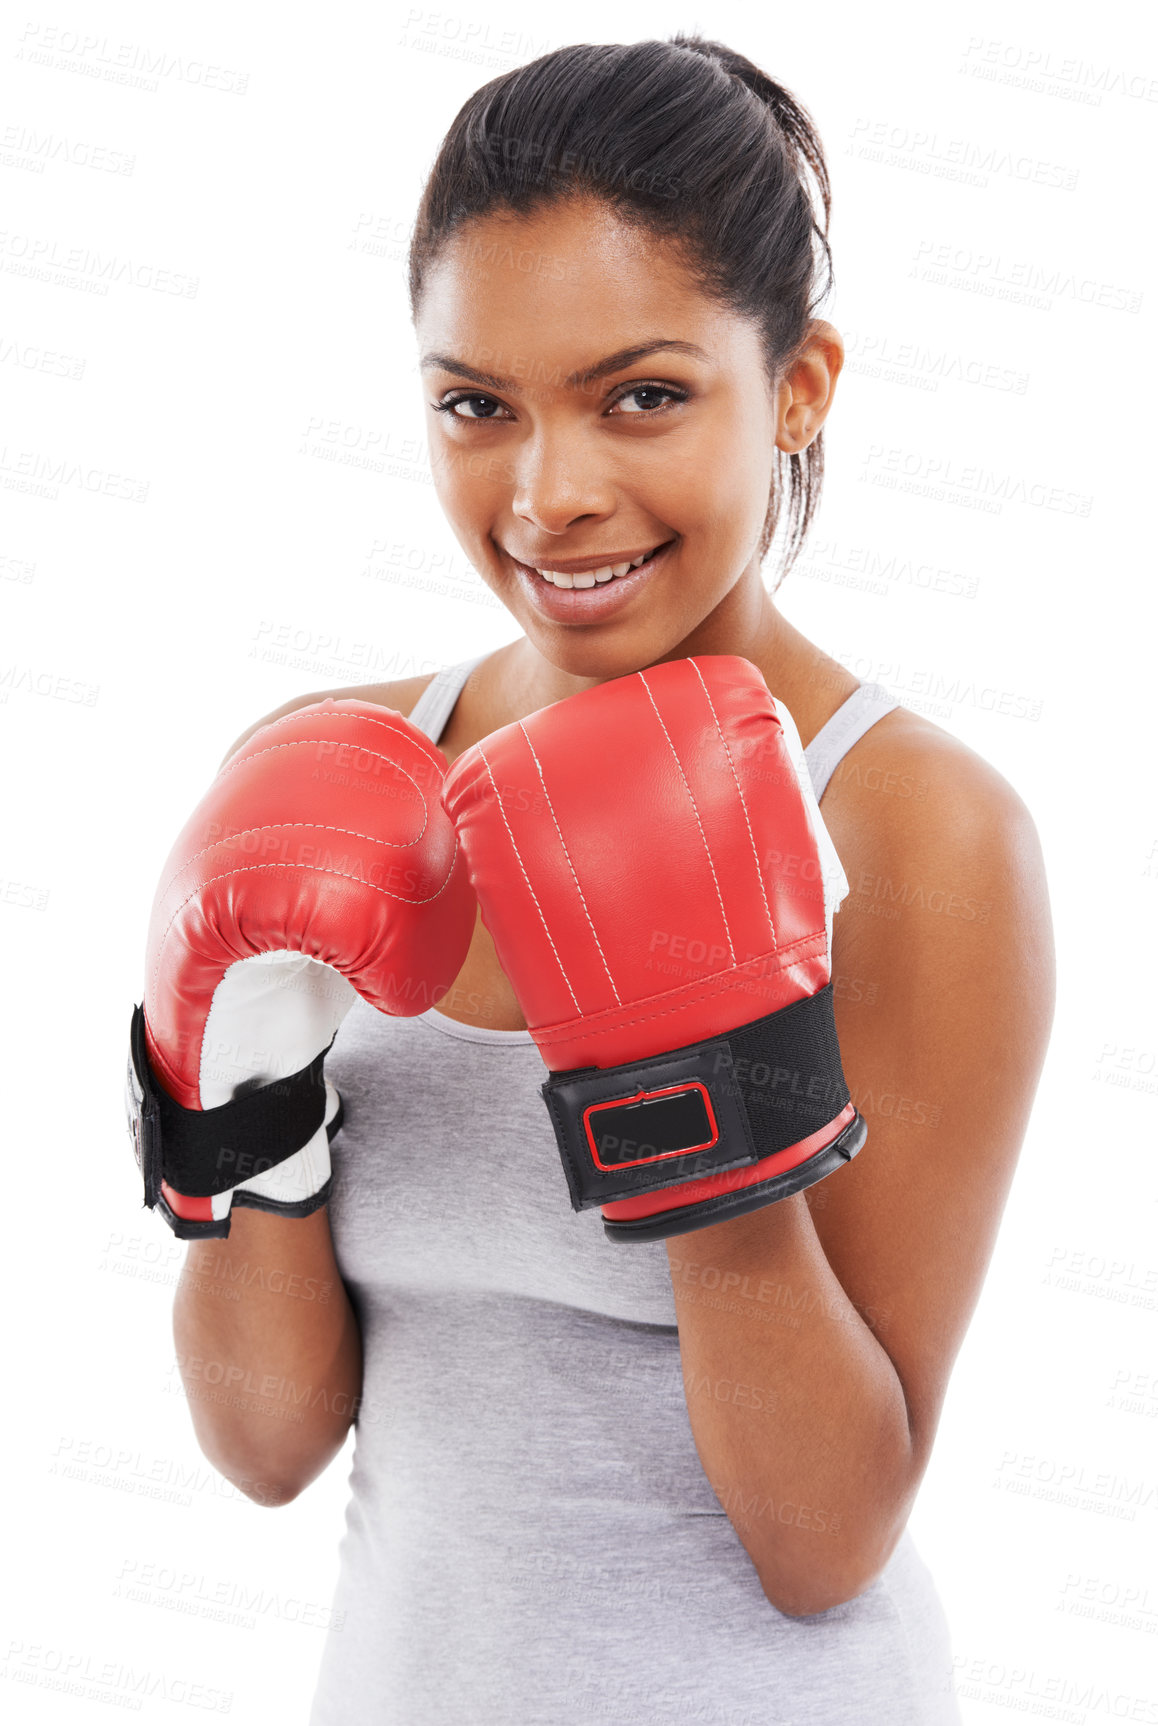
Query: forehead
[[572, 276]]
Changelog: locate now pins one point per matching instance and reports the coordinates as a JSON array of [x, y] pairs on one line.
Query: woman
[[585, 1483]]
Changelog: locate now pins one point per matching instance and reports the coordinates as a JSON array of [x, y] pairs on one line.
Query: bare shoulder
[[946, 873], [909, 792], [400, 695]]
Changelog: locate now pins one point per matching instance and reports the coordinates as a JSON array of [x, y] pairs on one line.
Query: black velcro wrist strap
[[698, 1110], [201, 1152]]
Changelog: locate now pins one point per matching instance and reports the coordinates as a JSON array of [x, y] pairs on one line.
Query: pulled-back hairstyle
[[688, 141]]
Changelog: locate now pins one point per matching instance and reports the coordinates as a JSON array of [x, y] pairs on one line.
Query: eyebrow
[[615, 362]]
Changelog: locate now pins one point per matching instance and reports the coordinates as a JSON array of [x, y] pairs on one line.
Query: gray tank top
[[530, 1538]]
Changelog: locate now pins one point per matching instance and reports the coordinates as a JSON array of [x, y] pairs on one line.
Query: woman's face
[[557, 444]]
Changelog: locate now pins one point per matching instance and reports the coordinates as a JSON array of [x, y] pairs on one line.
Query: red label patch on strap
[[650, 1126]]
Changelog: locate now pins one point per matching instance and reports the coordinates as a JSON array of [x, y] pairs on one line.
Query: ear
[[807, 387]]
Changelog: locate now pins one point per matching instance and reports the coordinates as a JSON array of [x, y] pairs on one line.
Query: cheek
[[467, 482], [724, 506], [724, 478]]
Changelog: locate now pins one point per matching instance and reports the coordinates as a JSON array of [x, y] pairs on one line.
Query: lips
[[587, 572], [591, 595], [594, 577]]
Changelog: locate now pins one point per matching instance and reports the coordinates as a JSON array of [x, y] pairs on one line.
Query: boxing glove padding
[[319, 866], [651, 863]]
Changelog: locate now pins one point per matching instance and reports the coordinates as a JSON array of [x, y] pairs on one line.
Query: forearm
[[798, 1415], [269, 1351]]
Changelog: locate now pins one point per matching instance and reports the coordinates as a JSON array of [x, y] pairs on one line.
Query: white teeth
[[592, 576]]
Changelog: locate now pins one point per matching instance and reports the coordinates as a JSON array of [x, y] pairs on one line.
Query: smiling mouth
[[595, 577]]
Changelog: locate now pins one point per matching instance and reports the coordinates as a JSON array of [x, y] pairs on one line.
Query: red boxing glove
[[652, 865], [318, 864]]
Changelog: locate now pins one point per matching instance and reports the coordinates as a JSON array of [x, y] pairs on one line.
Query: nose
[[560, 480]]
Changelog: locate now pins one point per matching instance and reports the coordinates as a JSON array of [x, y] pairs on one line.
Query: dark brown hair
[[686, 140]]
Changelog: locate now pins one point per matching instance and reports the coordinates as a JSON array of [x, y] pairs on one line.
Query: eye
[[453, 402], [650, 390], [490, 408]]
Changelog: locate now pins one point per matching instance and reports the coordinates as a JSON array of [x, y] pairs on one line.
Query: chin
[[602, 660]]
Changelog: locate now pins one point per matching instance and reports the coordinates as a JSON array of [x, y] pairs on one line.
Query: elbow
[[269, 1474], [271, 1494], [803, 1580], [805, 1591], [262, 1482], [275, 1486], [809, 1597]]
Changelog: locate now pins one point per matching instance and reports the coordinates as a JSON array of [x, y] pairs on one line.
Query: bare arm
[[269, 1351], [818, 1334], [268, 1344]]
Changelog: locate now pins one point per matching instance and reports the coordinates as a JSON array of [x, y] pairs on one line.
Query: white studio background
[[216, 497]]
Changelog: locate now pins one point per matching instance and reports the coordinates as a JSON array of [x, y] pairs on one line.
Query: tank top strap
[[434, 706], [867, 704]]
